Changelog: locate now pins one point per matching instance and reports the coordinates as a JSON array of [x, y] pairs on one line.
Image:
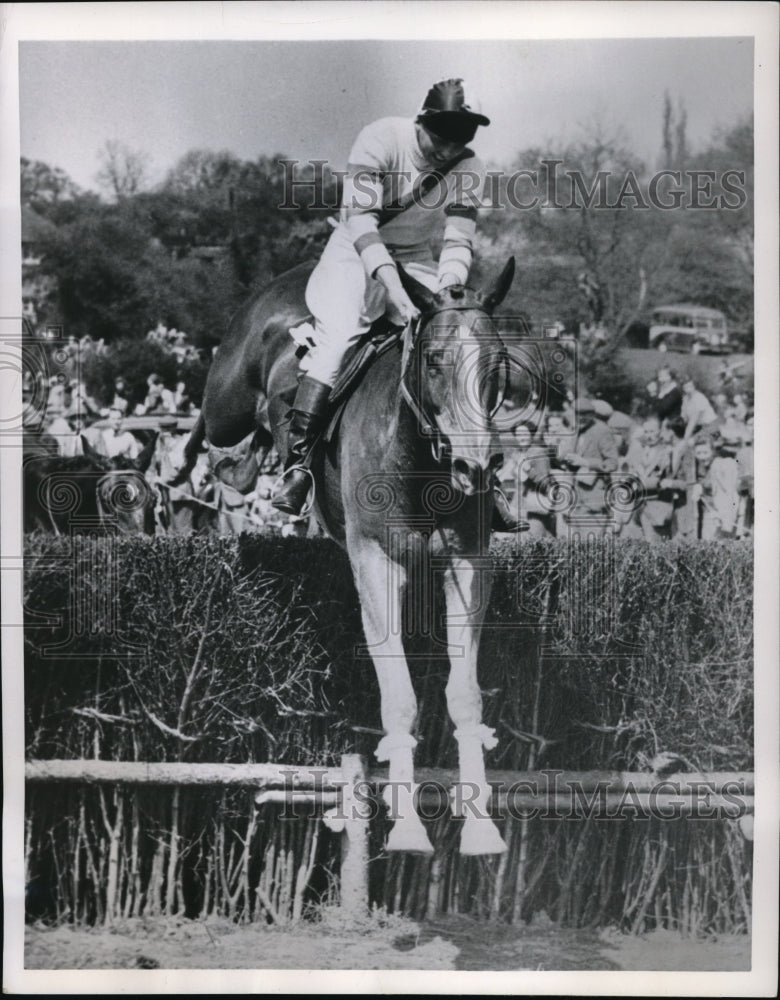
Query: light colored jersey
[[123, 444], [385, 168]]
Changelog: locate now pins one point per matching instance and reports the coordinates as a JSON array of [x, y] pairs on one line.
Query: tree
[[667, 155], [42, 185], [590, 228], [123, 170]]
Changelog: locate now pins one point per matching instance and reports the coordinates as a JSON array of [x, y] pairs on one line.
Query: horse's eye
[[437, 359]]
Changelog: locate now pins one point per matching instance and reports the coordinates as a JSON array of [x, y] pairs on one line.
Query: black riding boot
[[306, 422]]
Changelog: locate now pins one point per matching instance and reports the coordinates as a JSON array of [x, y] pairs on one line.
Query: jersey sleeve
[[466, 187], [369, 161]]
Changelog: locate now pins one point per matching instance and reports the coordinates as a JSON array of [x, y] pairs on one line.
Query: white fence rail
[[727, 794]]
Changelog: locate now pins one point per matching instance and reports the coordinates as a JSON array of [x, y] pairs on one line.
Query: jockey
[[407, 181]]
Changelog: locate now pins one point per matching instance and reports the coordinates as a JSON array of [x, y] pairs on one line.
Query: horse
[[404, 485], [88, 492]]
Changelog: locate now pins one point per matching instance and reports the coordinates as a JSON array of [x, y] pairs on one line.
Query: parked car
[[689, 328]]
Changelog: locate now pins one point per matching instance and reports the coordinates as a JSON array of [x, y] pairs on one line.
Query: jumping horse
[[405, 485]]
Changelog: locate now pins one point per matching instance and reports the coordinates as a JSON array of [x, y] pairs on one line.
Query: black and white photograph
[[389, 450]]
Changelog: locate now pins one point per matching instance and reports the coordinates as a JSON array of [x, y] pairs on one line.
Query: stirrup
[[306, 508]]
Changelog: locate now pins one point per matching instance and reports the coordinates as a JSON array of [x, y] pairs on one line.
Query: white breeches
[[345, 302]]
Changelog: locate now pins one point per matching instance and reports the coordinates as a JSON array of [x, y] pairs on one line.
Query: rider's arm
[[465, 186], [363, 195]]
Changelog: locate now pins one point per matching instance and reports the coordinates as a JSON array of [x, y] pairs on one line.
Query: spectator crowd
[[679, 466]]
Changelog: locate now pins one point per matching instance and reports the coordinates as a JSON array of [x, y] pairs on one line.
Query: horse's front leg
[[381, 583], [466, 590]]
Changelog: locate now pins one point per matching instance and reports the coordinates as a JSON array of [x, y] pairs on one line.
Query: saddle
[[382, 336]]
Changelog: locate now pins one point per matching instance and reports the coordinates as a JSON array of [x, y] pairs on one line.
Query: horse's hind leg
[[380, 584], [466, 590]]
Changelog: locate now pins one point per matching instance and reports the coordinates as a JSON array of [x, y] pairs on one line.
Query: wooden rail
[[540, 783], [551, 792]]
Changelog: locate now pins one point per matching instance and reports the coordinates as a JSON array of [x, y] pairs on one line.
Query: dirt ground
[[379, 942]]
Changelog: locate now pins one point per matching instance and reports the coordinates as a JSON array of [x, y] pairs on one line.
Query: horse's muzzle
[[470, 477]]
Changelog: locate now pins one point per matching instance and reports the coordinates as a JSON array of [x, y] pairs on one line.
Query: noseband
[[426, 423]]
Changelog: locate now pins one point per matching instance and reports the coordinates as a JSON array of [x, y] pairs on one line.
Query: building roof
[[690, 307]]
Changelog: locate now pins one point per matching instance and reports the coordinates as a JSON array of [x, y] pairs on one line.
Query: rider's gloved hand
[[447, 280], [400, 306]]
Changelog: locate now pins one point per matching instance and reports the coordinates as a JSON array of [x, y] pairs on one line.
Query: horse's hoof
[[481, 836], [407, 835]]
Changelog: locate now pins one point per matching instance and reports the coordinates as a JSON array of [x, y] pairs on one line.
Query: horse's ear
[[496, 295], [91, 452], [144, 458], [419, 294]]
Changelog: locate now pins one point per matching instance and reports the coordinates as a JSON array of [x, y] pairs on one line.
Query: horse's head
[[123, 495], [455, 376]]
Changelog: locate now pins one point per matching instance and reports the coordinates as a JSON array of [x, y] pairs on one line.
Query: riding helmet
[[450, 113]]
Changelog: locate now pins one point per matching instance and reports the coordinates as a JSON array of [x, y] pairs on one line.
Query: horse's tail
[[191, 449]]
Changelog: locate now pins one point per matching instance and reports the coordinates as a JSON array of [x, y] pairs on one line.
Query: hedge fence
[[595, 656]]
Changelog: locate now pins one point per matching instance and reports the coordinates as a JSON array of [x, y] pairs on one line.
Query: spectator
[[727, 374], [120, 402], [556, 430], [741, 408], [66, 431], [169, 400], [680, 480], [593, 459], [153, 403], [668, 402], [647, 403], [716, 489], [115, 442], [744, 459], [273, 520], [649, 459], [73, 357], [568, 409], [181, 398], [720, 403], [523, 480], [621, 424], [55, 396], [696, 410], [732, 428], [80, 398], [179, 510]]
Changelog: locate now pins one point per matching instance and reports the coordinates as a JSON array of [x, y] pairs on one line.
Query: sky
[[309, 99]]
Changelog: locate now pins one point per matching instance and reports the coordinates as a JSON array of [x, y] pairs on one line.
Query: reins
[[427, 424]]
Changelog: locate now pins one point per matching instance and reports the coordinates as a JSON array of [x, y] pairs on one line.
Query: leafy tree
[[589, 227], [135, 359], [43, 186]]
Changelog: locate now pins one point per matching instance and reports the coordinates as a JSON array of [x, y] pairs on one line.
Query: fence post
[[354, 839]]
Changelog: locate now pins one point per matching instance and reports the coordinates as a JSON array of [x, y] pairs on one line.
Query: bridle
[[105, 513], [427, 424]]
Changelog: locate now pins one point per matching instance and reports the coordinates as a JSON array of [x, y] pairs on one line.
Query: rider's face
[[435, 150]]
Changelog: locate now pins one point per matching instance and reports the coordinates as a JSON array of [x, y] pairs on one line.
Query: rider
[[407, 180]]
